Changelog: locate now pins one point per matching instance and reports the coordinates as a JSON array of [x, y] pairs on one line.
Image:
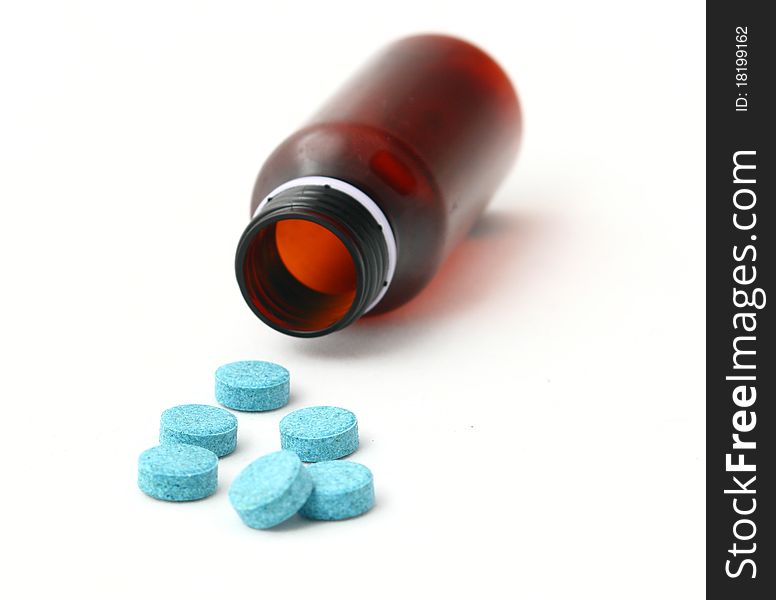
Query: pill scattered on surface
[[270, 490], [252, 385], [178, 472], [341, 489], [200, 425], [319, 433]]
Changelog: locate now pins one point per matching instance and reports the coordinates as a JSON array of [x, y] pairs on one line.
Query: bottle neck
[[317, 255]]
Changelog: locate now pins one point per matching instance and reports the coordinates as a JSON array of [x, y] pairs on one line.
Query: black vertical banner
[[740, 326]]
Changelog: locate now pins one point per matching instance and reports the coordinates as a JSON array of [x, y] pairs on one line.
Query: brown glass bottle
[[355, 211]]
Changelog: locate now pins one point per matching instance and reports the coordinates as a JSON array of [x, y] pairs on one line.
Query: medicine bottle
[[355, 211]]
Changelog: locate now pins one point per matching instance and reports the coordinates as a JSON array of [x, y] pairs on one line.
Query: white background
[[534, 420]]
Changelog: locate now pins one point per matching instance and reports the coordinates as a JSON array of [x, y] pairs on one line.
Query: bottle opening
[[300, 275], [314, 258]]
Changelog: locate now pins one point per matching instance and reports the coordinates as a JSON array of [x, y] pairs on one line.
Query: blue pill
[[341, 489], [319, 433], [252, 385], [178, 472], [200, 425], [270, 490]]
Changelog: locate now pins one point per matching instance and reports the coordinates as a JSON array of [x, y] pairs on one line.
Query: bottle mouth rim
[[258, 301], [271, 290]]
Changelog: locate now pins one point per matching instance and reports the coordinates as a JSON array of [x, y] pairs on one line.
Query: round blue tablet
[[252, 385], [270, 489], [341, 489], [200, 425], [178, 472], [319, 433]]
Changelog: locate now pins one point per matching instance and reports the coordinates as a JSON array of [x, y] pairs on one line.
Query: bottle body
[[426, 130]]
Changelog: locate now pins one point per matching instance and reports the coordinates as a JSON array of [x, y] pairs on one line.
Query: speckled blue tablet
[[270, 489], [319, 433], [252, 385], [341, 489], [177, 472], [200, 425]]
